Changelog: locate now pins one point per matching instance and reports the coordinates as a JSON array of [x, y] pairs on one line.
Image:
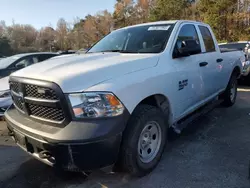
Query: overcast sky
[[40, 13]]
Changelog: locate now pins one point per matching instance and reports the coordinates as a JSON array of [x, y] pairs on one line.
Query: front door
[[188, 76]]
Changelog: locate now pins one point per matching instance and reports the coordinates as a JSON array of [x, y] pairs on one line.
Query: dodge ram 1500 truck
[[114, 104]]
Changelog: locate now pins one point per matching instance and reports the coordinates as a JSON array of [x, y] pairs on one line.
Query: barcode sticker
[[158, 28]]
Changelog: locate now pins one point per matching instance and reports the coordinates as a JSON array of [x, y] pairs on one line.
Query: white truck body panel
[[134, 77]]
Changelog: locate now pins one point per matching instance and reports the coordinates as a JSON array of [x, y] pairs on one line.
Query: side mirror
[[187, 48]]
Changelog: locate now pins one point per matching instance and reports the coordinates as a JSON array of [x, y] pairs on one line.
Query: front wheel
[[144, 140], [230, 94]]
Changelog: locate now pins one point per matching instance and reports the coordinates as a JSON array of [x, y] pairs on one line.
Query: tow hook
[[44, 154], [47, 155], [10, 133]]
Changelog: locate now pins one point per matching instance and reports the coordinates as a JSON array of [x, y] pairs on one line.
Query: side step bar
[[184, 122]]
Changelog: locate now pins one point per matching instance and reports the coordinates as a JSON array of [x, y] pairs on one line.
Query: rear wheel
[[230, 94], [144, 140]]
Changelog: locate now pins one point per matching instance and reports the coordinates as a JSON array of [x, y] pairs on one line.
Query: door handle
[[203, 64], [219, 60]]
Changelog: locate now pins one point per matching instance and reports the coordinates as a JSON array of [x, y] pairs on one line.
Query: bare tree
[[22, 37], [46, 39], [124, 13], [62, 34]]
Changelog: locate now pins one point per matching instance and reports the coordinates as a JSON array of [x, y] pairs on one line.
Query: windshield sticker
[[158, 28]]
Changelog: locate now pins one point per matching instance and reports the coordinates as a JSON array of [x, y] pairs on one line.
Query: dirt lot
[[214, 152]]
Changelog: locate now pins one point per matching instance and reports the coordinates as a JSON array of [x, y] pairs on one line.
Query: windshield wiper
[[120, 51], [111, 51]]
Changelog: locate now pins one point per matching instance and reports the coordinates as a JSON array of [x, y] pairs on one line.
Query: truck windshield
[[140, 39]]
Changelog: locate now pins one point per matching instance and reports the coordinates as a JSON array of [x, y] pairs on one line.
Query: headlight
[[94, 105], [245, 65], [4, 94]]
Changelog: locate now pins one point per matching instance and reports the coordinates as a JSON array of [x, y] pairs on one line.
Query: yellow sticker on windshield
[[158, 28]]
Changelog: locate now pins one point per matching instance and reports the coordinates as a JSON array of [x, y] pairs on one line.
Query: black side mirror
[[187, 48]]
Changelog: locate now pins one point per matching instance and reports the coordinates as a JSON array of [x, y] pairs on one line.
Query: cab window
[[207, 38], [187, 32]]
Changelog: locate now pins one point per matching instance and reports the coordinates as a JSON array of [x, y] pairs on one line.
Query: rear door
[[212, 64]]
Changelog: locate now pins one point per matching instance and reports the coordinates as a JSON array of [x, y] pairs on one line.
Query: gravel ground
[[213, 152]]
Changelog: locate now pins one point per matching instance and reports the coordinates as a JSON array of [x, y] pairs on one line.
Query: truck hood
[[77, 73]]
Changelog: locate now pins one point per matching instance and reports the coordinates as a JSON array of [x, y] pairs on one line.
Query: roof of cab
[[161, 23]]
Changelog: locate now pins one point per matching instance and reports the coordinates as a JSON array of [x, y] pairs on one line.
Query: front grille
[[26, 98], [15, 86], [46, 112], [32, 91], [18, 103]]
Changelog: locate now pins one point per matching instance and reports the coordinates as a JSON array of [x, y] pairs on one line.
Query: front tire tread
[[140, 116]]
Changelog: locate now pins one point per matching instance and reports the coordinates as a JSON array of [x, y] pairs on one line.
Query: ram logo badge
[[44, 91], [41, 90], [182, 84], [21, 97]]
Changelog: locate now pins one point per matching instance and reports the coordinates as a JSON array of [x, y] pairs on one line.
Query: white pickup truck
[[114, 105]]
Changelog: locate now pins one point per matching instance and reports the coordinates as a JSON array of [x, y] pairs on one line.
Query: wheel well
[[237, 71], [160, 101]]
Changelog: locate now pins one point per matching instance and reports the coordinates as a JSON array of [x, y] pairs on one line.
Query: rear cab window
[[207, 38]]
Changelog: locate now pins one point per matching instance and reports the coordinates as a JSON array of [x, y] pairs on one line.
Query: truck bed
[[224, 50]]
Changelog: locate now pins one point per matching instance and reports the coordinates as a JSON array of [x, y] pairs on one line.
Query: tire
[[145, 121], [230, 94]]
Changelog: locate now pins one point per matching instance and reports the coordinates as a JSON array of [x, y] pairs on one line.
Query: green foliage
[[169, 10], [5, 48], [218, 14]]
